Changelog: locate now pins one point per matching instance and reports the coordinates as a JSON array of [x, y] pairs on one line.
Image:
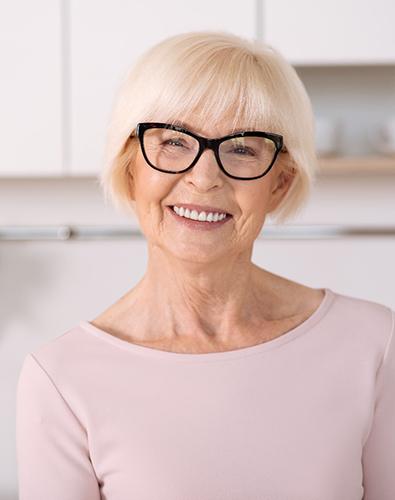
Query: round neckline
[[286, 337]]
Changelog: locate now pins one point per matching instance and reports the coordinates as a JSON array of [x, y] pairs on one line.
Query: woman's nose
[[206, 172], [207, 163]]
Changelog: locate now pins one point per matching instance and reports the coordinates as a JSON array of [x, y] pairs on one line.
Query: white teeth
[[195, 215]]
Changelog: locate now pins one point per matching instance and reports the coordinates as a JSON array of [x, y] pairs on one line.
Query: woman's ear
[[281, 184], [130, 181], [128, 160]]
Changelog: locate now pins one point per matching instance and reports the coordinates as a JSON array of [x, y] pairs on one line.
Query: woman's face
[[205, 184]]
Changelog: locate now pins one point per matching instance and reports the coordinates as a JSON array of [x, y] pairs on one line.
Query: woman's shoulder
[[68, 351], [368, 319], [362, 307]]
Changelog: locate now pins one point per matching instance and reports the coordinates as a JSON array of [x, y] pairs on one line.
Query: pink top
[[309, 415]]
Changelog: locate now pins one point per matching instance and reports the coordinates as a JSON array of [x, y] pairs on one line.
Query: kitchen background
[[65, 255]]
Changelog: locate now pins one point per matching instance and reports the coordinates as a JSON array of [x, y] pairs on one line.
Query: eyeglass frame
[[213, 144]]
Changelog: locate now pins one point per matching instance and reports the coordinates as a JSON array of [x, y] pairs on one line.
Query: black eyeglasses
[[173, 149]]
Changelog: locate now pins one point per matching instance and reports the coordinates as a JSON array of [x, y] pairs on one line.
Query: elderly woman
[[212, 378]]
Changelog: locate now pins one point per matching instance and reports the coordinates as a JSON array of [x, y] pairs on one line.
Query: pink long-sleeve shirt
[[309, 415]]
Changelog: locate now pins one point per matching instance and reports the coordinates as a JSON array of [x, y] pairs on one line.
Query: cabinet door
[[30, 95], [106, 38], [325, 32]]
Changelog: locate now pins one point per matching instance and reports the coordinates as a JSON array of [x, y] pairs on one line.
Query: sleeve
[[378, 459], [51, 444]]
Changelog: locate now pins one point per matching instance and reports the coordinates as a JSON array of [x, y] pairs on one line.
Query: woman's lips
[[196, 224], [200, 208]]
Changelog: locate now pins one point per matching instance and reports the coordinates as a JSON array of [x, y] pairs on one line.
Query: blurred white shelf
[[357, 164]]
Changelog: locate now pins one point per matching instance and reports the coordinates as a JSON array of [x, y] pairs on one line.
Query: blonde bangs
[[214, 85]]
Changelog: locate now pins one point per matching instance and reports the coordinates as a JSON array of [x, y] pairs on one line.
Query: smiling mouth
[[198, 210], [209, 222]]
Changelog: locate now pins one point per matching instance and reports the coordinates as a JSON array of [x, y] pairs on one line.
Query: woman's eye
[[244, 151], [173, 142]]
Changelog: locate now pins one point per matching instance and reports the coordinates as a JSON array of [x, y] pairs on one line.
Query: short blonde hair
[[212, 72]]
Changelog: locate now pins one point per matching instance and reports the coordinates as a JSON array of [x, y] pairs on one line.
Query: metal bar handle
[[102, 232]]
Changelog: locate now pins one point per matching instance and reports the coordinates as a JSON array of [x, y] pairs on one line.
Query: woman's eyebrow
[[179, 123], [182, 124]]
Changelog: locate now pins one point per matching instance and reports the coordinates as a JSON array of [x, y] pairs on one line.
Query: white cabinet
[[311, 32], [30, 88], [62, 61], [106, 38]]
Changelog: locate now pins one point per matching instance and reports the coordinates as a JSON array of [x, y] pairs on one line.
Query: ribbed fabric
[[309, 415]]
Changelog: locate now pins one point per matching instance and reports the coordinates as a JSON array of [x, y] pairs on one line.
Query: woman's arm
[[378, 458], [52, 451]]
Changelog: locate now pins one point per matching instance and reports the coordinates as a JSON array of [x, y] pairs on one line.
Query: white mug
[[327, 135], [383, 139]]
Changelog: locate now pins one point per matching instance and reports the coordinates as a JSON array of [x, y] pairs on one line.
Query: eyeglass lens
[[172, 150]]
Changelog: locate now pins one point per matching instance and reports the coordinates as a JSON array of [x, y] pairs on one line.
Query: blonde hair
[[212, 72]]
